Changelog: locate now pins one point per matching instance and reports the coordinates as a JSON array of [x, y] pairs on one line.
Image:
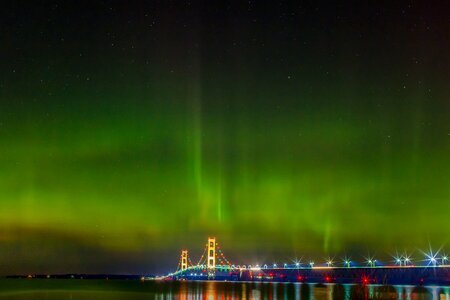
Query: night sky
[[132, 129]]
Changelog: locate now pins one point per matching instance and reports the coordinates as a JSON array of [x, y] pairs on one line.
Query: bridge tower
[[211, 262], [184, 260], [211, 253]]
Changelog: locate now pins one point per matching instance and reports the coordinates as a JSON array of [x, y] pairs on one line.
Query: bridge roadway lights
[[405, 274], [420, 276]]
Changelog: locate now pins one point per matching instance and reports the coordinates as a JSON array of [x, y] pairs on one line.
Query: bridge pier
[[297, 291], [446, 291], [311, 290], [274, 291], [399, 291], [347, 291], [435, 291], [330, 289]]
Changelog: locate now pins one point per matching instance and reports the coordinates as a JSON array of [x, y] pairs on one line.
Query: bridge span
[[213, 265], [357, 275]]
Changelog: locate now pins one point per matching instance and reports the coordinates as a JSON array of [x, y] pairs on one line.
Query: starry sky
[[132, 129]]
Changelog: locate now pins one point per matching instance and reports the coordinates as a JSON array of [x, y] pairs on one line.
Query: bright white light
[[431, 257], [347, 261], [370, 261]]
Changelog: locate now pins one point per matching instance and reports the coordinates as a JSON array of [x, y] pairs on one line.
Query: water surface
[[24, 289]]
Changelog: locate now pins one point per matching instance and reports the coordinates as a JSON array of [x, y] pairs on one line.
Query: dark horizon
[[130, 130]]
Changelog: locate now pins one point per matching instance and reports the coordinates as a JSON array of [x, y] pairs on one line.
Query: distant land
[[80, 276]]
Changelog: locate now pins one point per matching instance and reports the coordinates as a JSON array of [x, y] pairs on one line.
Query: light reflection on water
[[285, 291], [275, 291], [112, 290]]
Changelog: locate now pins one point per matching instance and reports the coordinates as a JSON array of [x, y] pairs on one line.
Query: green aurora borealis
[[128, 132]]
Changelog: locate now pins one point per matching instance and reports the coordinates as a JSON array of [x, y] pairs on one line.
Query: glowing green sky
[[128, 132]]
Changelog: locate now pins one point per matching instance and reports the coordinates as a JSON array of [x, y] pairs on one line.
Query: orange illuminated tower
[[211, 253], [211, 262], [184, 260]]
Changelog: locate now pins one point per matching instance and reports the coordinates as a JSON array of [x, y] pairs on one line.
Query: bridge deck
[[413, 275]]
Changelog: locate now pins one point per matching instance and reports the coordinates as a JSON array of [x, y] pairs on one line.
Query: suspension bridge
[[214, 265]]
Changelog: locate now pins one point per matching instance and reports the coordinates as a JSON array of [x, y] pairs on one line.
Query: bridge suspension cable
[[179, 264], [221, 257], [211, 258], [202, 260], [190, 264]]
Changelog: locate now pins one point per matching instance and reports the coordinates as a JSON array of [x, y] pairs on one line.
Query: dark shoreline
[[78, 276]]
